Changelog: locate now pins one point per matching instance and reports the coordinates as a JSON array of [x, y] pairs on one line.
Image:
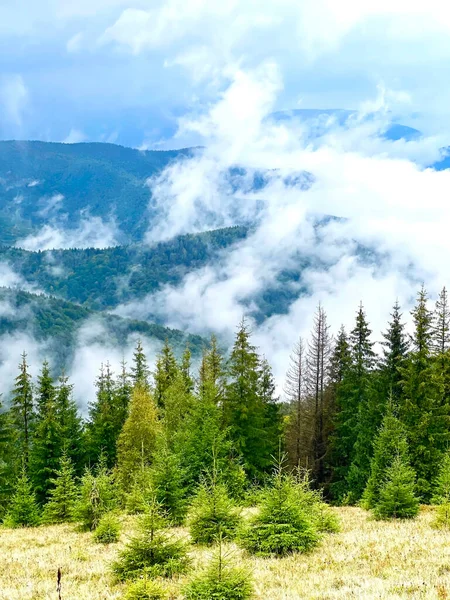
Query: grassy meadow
[[368, 559]]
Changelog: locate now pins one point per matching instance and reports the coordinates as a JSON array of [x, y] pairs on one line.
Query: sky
[[126, 71], [207, 73]]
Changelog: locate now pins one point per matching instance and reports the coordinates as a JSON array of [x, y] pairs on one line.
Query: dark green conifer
[[165, 374], [23, 510], [63, 496], [397, 499], [22, 411], [390, 442], [153, 552]]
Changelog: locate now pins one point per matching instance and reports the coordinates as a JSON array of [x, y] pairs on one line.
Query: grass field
[[367, 559]]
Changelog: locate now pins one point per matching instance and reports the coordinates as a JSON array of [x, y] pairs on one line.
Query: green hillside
[[57, 322], [104, 179]]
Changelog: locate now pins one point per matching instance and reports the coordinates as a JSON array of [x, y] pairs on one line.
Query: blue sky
[[125, 71]]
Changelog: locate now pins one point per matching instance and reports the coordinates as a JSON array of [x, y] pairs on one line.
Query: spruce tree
[[221, 580], [424, 409], [178, 402], [390, 442], [61, 506], [72, 434], [122, 395], [102, 431], [47, 448], [168, 480], [137, 441], [185, 370], [213, 515], [22, 411], [244, 411], [395, 353], [397, 499], [23, 510], [165, 374], [282, 525], [341, 441], [140, 372], [152, 552], [441, 324], [367, 410]]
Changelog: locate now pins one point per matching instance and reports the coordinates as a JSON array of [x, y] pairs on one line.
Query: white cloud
[[91, 232], [391, 203], [14, 99], [94, 348], [75, 137]]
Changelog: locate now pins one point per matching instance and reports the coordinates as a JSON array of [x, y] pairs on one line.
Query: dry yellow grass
[[366, 560]]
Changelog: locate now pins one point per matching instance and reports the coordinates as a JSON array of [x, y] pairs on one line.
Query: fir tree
[[390, 442], [47, 448], [244, 411], [221, 580], [168, 481], [397, 497], [45, 392], [152, 552], [140, 372], [107, 530], [61, 506], [341, 442], [165, 374], [424, 409], [70, 423], [282, 526], [441, 324], [395, 353], [122, 395], [213, 515], [185, 370], [137, 441], [364, 422], [102, 428], [22, 410], [23, 509]]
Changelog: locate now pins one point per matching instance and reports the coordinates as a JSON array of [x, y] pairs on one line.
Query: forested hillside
[[104, 278], [104, 179], [58, 322]]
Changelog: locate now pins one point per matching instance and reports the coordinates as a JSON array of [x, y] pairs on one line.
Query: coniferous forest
[[195, 447]]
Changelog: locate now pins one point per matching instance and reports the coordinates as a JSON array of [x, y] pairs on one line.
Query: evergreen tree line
[[160, 430], [357, 421]]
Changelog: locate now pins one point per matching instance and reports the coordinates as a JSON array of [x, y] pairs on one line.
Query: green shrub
[[145, 589], [108, 530], [152, 552], [283, 525], [212, 514]]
